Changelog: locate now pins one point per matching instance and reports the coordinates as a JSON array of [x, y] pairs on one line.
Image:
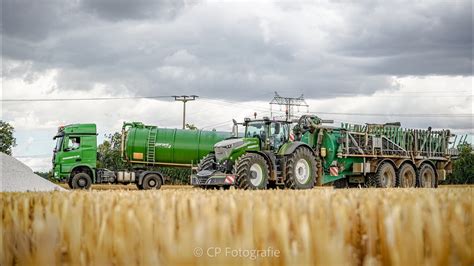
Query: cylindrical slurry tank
[[154, 145]]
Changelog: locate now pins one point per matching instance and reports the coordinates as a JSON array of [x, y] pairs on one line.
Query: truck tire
[[406, 176], [152, 181], [207, 162], [81, 181], [300, 169], [385, 177], [252, 171], [427, 176]]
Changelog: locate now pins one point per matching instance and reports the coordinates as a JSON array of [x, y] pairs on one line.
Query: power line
[[398, 115], [185, 99], [86, 99]]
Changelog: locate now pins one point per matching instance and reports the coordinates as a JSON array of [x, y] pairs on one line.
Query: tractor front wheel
[[207, 162], [252, 171]]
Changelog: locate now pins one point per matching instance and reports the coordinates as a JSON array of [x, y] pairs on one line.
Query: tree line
[[109, 157]]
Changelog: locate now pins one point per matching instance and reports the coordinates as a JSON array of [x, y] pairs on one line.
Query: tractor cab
[[271, 134]]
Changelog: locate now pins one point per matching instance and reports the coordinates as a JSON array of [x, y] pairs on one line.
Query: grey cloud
[[116, 10], [130, 46]]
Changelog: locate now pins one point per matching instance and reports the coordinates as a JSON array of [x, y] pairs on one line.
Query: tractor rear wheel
[[81, 181], [152, 181], [207, 162], [406, 176], [252, 171], [427, 176], [300, 169], [385, 177]]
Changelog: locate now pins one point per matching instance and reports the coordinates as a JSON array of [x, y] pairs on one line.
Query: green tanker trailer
[[351, 155], [143, 148]]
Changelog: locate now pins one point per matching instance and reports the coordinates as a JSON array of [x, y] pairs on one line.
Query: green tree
[[7, 141], [463, 168], [109, 153]]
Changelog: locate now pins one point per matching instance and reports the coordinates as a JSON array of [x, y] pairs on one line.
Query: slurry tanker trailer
[[143, 148], [378, 155]]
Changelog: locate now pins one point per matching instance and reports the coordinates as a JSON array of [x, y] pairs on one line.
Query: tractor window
[[277, 134], [255, 129], [74, 143]]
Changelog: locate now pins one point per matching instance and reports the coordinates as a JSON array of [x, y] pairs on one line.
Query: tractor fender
[[290, 147], [144, 173], [267, 158]]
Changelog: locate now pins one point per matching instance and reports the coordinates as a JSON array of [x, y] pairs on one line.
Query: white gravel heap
[[17, 177]]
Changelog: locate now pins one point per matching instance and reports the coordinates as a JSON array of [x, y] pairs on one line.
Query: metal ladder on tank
[[150, 154]]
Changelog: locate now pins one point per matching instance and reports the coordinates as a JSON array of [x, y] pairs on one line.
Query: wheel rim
[[81, 182], [302, 171], [387, 178], [152, 182], [256, 174]]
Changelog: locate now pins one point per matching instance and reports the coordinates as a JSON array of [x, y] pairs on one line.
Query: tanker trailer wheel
[[427, 176], [207, 162], [252, 171], [406, 176], [300, 169], [385, 177], [81, 181], [152, 181]]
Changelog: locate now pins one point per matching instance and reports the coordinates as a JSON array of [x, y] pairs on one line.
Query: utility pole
[[288, 102], [184, 99]]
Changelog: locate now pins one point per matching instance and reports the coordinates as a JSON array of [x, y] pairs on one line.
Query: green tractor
[[266, 156]]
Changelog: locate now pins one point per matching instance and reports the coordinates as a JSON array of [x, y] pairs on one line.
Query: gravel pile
[[17, 177]]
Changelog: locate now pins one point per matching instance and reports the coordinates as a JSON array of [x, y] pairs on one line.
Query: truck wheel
[[81, 181], [385, 176], [427, 176], [300, 169], [69, 183], [207, 162], [406, 176], [151, 181], [252, 171]]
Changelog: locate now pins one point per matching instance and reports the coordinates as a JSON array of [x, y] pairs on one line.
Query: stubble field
[[278, 227]]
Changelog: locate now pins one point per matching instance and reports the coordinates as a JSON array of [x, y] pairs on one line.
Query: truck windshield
[[59, 142], [255, 129]]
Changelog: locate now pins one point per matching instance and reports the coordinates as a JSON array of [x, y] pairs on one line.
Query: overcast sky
[[369, 61]]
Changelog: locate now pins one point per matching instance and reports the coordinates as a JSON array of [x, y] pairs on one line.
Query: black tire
[[69, 183], [427, 176], [152, 181], [140, 187], [81, 181], [246, 176], [207, 162], [406, 176], [341, 183], [385, 177], [300, 160]]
